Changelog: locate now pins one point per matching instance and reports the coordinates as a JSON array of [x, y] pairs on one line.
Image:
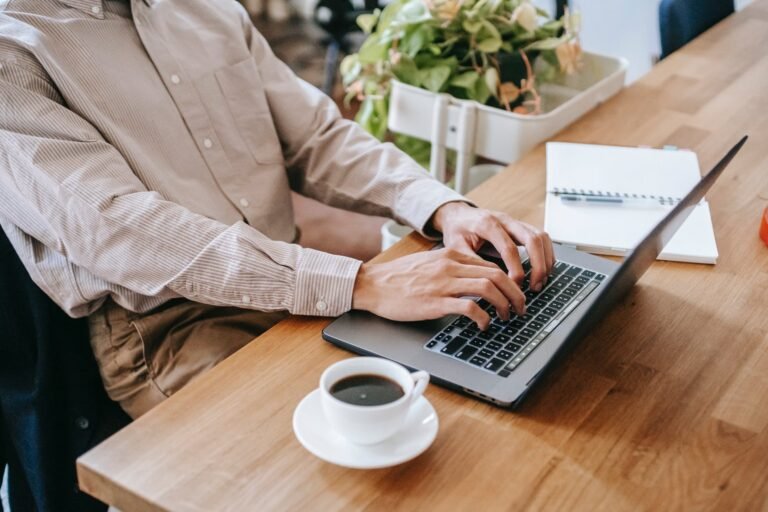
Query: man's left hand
[[466, 228]]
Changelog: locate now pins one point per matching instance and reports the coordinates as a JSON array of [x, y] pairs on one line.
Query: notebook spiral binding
[[664, 201]]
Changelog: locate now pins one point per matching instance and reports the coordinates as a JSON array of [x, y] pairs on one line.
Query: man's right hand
[[431, 284]]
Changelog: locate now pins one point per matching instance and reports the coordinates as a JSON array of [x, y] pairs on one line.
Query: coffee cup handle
[[420, 382]]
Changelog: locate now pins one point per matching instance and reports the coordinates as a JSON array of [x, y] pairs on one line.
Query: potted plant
[[482, 50]]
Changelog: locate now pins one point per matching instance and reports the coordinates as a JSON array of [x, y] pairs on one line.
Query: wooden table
[[664, 406]]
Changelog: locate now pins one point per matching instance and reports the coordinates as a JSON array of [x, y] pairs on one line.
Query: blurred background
[[312, 36]]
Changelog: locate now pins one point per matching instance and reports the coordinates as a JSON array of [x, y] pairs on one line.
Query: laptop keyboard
[[505, 345]]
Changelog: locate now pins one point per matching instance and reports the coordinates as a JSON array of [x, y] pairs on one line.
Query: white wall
[[624, 28]]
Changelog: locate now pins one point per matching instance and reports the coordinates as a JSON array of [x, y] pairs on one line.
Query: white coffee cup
[[370, 424]]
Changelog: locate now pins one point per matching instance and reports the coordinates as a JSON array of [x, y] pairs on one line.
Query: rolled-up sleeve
[[64, 185], [334, 160]]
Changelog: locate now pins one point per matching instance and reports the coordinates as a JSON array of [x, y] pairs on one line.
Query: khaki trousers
[[145, 358]]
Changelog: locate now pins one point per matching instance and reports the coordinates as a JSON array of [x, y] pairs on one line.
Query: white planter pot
[[472, 129], [392, 232]]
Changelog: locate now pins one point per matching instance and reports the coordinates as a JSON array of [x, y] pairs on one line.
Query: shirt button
[[244, 203], [246, 299], [208, 143], [175, 79], [83, 423], [321, 305], [95, 9]]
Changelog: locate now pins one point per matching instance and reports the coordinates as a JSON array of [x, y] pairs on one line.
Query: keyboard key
[[494, 345], [558, 305], [535, 325], [510, 331], [569, 292], [599, 277], [501, 338], [566, 278], [582, 280], [431, 344], [440, 336], [486, 353], [504, 354], [559, 268], [533, 309], [483, 303], [493, 328], [518, 323], [478, 361], [462, 321], [546, 296], [538, 303], [522, 340], [494, 364], [485, 335], [530, 295], [454, 345], [512, 347], [448, 329], [466, 352], [527, 332], [527, 317], [477, 342], [543, 319], [558, 285], [573, 272], [576, 286], [589, 273], [549, 311], [504, 373]]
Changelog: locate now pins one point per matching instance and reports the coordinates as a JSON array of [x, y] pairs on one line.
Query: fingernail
[[545, 281], [536, 287]]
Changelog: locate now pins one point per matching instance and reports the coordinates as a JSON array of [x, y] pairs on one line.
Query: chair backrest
[[680, 21]]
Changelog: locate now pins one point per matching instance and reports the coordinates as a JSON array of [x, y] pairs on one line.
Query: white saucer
[[316, 435]]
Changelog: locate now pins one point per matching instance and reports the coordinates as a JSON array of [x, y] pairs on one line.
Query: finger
[[485, 288], [503, 282], [469, 258], [550, 252], [496, 233], [531, 238], [468, 308]]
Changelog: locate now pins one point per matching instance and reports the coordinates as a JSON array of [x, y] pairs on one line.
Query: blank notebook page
[[613, 229]]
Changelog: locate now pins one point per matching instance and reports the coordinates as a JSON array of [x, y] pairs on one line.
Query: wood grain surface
[[664, 406]]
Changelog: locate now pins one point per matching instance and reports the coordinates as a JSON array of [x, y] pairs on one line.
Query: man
[[147, 153]]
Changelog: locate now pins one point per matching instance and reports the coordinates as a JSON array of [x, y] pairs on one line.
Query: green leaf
[[373, 50], [406, 71], [481, 92], [472, 26], [434, 79], [489, 39], [465, 80], [491, 79], [368, 21], [548, 44], [415, 39], [350, 69]]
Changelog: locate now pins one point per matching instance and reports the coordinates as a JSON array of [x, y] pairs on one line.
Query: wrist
[[445, 212], [361, 290]]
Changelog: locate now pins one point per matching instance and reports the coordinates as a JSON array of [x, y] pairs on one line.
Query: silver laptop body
[[485, 365]]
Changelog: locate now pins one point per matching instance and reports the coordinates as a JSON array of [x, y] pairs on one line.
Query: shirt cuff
[[324, 283], [420, 200]]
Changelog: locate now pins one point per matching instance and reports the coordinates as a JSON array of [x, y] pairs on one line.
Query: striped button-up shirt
[[148, 149]]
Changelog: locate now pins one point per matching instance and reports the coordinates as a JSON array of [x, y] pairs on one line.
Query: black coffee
[[367, 390]]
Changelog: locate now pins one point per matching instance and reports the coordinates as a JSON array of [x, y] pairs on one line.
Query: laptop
[[501, 364]]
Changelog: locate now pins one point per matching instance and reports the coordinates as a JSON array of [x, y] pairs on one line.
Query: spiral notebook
[[650, 180]]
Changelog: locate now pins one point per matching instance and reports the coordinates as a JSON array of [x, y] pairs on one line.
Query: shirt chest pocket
[[246, 105]]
